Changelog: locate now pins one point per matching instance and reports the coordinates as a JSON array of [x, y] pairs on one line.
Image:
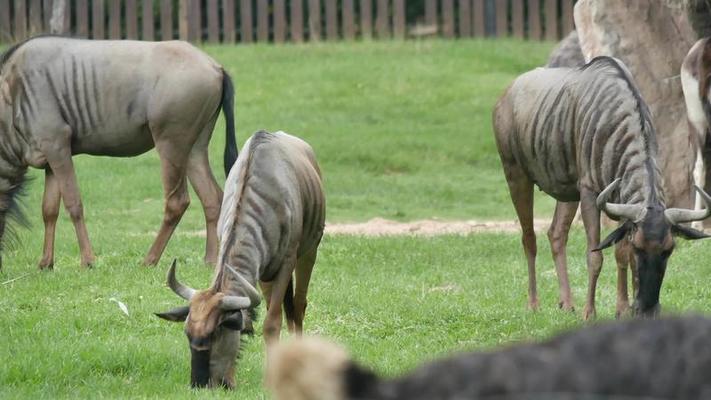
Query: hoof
[[46, 264], [566, 306], [533, 305], [589, 313]]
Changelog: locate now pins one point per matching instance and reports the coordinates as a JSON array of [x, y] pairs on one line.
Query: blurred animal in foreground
[[635, 359], [584, 135], [696, 84], [270, 227], [60, 97]]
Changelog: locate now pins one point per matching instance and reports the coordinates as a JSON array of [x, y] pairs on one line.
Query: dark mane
[[4, 57], [13, 210]]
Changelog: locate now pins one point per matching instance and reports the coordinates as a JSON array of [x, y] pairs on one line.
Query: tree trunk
[[652, 38], [56, 22]]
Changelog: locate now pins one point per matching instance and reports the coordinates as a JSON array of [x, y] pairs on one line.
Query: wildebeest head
[[213, 323], [650, 231]]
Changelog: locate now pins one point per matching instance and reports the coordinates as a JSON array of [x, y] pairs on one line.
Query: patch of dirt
[[428, 227]]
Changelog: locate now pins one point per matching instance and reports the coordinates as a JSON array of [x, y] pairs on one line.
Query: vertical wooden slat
[[279, 21], [183, 13], [98, 20], [478, 24], [331, 20], [568, 20], [551, 20], [448, 18], [114, 19], [431, 12], [228, 21], [246, 21], [262, 21], [366, 19], [213, 22], [314, 20], [147, 21], [399, 25], [5, 32], [20, 20], [534, 20], [348, 21], [131, 19], [296, 21], [67, 17], [46, 5], [196, 21], [82, 18], [517, 18], [465, 18], [382, 21], [166, 19], [501, 19], [35, 17]]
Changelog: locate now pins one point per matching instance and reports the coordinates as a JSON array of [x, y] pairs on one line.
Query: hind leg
[[272, 321], [591, 220], [304, 267], [50, 212], [210, 194], [558, 237], [173, 160], [521, 190]]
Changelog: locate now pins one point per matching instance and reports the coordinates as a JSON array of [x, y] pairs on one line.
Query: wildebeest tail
[[289, 301], [228, 108], [315, 369]]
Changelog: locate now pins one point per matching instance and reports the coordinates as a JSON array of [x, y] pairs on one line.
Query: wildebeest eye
[[233, 321]]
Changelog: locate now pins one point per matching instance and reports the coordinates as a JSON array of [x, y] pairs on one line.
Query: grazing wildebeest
[[61, 96], [696, 84], [270, 227], [585, 135], [635, 359]]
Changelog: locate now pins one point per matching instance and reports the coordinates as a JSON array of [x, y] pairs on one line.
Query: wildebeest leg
[[272, 321], [558, 236], [50, 211], [622, 256], [700, 180], [706, 184], [173, 164], [210, 195], [635, 276], [591, 220], [63, 170], [521, 190], [304, 266]]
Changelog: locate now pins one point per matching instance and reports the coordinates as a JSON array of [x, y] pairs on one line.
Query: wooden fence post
[[82, 18], [517, 18], [448, 18], [114, 19], [36, 25], [246, 19], [399, 16], [147, 20], [478, 23], [20, 20], [314, 20], [5, 27], [262, 21], [366, 19], [213, 22], [568, 20], [297, 21], [279, 21], [331, 20], [97, 20], [228, 21], [431, 13], [465, 18], [501, 19], [195, 21], [382, 21], [166, 19], [131, 19], [534, 20], [348, 20], [551, 20]]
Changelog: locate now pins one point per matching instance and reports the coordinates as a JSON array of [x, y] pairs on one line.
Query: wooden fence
[[247, 21]]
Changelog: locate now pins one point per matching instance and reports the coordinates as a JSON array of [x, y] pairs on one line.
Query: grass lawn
[[402, 130]]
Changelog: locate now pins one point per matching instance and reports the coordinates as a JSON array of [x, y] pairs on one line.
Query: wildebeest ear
[[176, 315], [688, 233], [616, 235], [233, 321]]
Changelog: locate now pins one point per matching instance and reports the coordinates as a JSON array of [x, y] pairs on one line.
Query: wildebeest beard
[[651, 266], [11, 191], [200, 368]]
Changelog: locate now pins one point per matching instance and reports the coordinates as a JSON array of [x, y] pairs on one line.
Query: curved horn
[[181, 290], [614, 210], [681, 215], [240, 302]]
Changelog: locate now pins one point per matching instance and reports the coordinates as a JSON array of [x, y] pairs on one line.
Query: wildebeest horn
[[231, 303], [681, 215], [181, 290], [614, 210]]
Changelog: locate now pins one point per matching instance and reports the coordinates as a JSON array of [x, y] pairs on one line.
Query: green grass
[[402, 130]]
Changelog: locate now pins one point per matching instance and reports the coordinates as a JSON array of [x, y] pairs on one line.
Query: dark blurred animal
[[270, 227], [635, 359], [696, 84], [585, 136], [60, 97]]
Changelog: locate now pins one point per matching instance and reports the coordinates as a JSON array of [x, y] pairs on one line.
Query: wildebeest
[[585, 135], [61, 96], [635, 359], [696, 84], [567, 53], [270, 226]]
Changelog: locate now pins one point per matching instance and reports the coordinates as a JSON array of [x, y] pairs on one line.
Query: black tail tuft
[[289, 301], [228, 108]]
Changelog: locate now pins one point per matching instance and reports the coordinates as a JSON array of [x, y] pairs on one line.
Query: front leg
[[591, 221], [622, 256], [50, 212]]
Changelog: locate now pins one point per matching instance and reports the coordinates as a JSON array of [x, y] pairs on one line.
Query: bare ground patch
[[428, 227]]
